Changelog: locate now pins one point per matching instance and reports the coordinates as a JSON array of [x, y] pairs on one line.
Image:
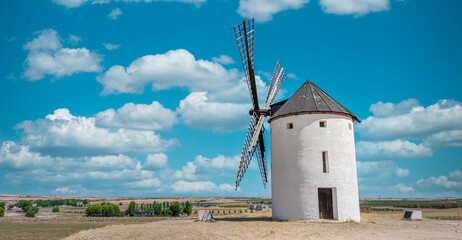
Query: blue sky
[[147, 98]]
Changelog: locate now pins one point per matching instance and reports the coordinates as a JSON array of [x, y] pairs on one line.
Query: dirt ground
[[261, 226]]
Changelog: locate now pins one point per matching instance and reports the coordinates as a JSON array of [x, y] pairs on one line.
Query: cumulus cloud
[[197, 112], [176, 68], [138, 116], [115, 13], [47, 56], [416, 123], [73, 174], [63, 133], [200, 187], [380, 169], [73, 39], [396, 149], [223, 59], [443, 183], [263, 10], [79, 3], [110, 46], [155, 161], [354, 7], [402, 188], [70, 3]]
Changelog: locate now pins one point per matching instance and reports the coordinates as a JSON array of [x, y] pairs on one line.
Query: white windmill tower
[[313, 159]]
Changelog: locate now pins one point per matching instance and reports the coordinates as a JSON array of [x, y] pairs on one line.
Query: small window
[[290, 125], [322, 124], [324, 162], [349, 126]]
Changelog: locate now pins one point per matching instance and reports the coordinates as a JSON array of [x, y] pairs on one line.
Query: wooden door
[[326, 210]]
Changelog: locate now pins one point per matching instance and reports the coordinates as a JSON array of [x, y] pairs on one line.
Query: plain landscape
[[382, 219]]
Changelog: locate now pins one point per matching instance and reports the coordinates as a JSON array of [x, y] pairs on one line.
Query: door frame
[[334, 203]]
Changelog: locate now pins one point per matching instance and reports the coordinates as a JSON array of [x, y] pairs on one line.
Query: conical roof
[[309, 98]]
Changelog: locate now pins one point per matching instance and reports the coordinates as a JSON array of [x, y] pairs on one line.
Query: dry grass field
[[257, 225]]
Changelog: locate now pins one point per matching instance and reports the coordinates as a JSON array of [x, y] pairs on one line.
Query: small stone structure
[[205, 215], [259, 207], [412, 215]]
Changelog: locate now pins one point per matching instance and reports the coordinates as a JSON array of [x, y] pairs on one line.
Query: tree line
[[159, 209], [440, 205]]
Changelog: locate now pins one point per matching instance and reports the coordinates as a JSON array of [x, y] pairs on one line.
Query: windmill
[[313, 156], [254, 143]]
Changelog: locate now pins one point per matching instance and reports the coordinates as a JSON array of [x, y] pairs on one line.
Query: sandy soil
[[261, 226]]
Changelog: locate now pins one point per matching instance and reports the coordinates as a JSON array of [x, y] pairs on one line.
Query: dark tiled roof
[[309, 98]]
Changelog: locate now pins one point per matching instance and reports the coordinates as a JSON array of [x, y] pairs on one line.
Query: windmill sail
[[254, 141]]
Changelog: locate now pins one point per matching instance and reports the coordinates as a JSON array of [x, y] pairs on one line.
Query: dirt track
[[260, 226]]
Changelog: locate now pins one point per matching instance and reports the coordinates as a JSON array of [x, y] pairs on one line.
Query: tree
[[2, 212], [55, 209], [175, 208], [23, 203], [2, 205], [131, 209], [188, 208]]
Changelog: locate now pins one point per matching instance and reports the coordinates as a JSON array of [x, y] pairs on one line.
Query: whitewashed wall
[[297, 170]]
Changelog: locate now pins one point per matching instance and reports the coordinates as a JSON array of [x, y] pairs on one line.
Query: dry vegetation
[[258, 225]]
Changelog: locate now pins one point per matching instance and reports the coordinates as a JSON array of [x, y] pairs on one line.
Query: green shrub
[[229, 211], [234, 211], [35, 209], [55, 209], [195, 212], [30, 213], [2, 205], [2, 212], [26, 208]]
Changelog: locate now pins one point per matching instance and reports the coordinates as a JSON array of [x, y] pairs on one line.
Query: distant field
[[48, 225]]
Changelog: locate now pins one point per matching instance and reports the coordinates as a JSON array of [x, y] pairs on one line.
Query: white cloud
[[145, 183], [402, 188], [100, 174], [79, 3], [200, 187], [71, 3], [110, 161], [115, 13], [442, 183], [63, 133], [292, 75], [155, 161], [223, 59], [62, 190], [137, 116], [197, 112], [380, 169], [74, 39], [402, 172], [396, 149], [100, 2], [444, 139], [176, 68], [47, 56], [219, 162], [456, 175], [410, 121], [355, 7], [263, 10], [110, 46]]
